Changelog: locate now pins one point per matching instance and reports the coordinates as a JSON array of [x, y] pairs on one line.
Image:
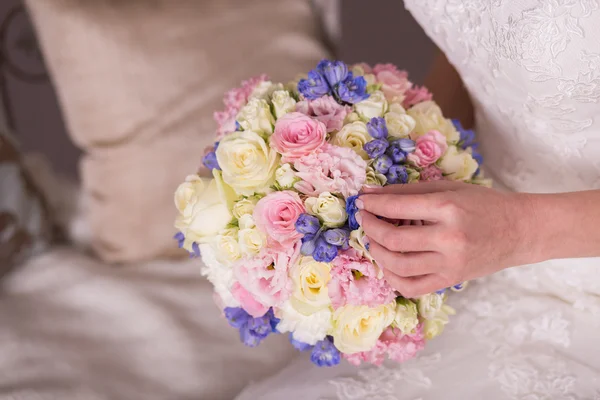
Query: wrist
[[531, 244]]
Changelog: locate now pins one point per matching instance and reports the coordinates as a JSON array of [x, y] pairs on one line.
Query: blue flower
[[333, 71], [467, 136], [324, 252], [300, 346], [325, 354], [252, 330], [315, 86], [397, 174], [395, 154], [351, 210], [337, 237], [441, 291], [180, 237], [236, 316], [383, 164], [406, 145], [210, 161], [195, 250], [376, 148], [261, 326], [399, 149], [307, 224], [248, 337], [352, 90], [377, 128]]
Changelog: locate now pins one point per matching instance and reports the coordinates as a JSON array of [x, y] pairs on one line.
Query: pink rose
[[428, 149], [297, 135], [431, 173], [326, 110], [263, 281], [393, 344], [394, 82], [335, 169], [345, 288], [276, 215], [416, 95]]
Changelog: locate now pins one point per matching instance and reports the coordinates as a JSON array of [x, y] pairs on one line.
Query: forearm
[[564, 225]]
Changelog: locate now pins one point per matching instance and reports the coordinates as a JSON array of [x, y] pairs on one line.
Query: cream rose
[[248, 164], [354, 136], [225, 246], [374, 106], [428, 116], [435, 326], [399, 124], [256, 116], [283, 103], [458, 165], [307, 329], [330, 209], [251, 241], [357, 242], [406, 317], [374, 178], [310, 279], [357, 328], [286, 177], [430, 304], [202, 211], [244, 206], [246, 221], [265, 89]]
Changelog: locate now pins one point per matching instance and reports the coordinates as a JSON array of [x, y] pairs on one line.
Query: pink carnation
[[297, 135], [394, 82], [416, 95], [335, 169], [263, 281], [429, 148], [276, 215], [431, 173], [326, 110], [394, 344], [354, 281]]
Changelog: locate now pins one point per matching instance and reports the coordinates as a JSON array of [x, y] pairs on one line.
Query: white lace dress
[[533, 332]]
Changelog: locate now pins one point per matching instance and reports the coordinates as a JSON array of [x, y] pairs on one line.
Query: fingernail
[[359, 204], [358, 217]]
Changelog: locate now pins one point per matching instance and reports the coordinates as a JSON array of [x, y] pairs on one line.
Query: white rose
[[283, 103], [354, 136], [244, 206], [246, 221], [406, 317], [248, 164], [458, 165], [428, 116], [357, 242], [352, 117], [399, 125], [329, 208], [256, 116], [374, 106], [310, 280], [220, 275], [226, 247], [251, 241], [202, 211], [286, 177], [429, 305], [307, 329], [265, 89], [435, 326], [357, 328]]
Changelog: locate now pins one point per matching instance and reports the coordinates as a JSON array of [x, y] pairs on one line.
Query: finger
[[406, 264], [414, 287], [411, 188], [409, 206], [397, 238]]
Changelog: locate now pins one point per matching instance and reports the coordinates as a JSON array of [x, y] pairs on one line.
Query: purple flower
[[300, 346], [248, 337], [441, 291], [467, 139], [352, 90], [406, 145], [324, 252], [351, 210], [314, 87], [309, 242], [396, 154], [195, 250], [377, 128], [210, 161], [325, 354], [261, 326], [399, 149], [307, 224], [333, 71], [382, 164], [236, 316], [337, 237], [397, 174], [376, 148], [252, 330], [180, 237]]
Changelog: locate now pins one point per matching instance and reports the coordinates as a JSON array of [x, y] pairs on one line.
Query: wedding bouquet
[[276, 227]]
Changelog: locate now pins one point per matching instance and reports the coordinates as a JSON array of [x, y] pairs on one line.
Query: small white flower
[[307, 329]]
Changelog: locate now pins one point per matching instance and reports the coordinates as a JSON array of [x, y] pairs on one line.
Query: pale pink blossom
[[429, 148], [276, 215], [431, 173], [326, 110], [247, 301], [416, 95], [297, 135], [354, 281], [364, 66], [334, 169], [394, 82], [393, 344]]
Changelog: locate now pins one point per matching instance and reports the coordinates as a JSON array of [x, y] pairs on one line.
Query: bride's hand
[[468, 231]]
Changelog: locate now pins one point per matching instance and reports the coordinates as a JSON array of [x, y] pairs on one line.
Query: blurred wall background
[[373, 31]]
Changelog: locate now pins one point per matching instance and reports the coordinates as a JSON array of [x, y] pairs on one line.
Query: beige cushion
[[138, 82]]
